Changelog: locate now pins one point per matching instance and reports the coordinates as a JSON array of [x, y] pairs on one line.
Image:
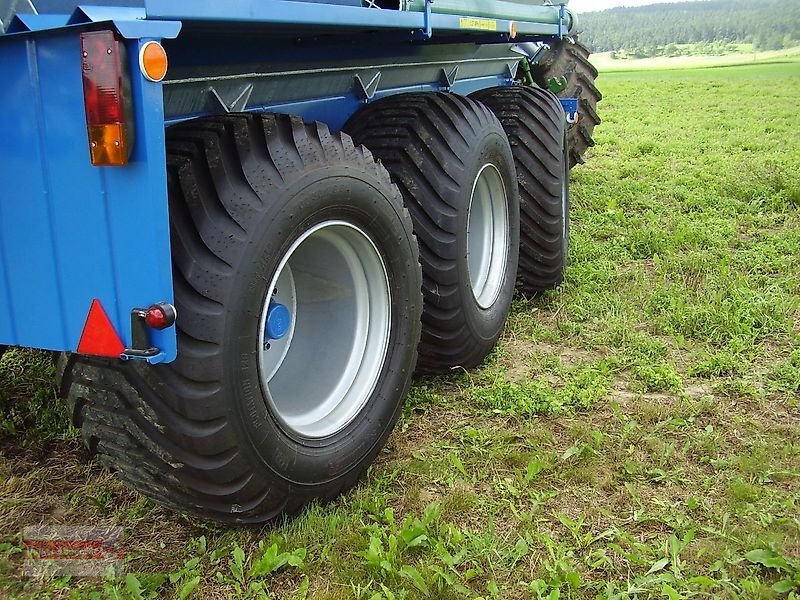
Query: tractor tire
[[570, 60], [265, 409], [534, 121], [453, 164]]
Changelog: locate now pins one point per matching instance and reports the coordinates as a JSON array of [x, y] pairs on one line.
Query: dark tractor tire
[[453, 164], [248, 425], [570, 60], [534, 121]]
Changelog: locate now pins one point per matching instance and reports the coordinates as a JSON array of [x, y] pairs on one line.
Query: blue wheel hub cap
[[278, 321]]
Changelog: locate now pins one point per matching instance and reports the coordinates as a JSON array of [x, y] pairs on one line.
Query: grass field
[[636, 433], [605, 63]]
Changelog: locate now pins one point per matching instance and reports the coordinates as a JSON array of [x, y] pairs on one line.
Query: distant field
[[635, 434], [605, 63]]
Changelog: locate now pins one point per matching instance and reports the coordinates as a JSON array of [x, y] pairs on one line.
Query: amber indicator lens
[[153, 61]]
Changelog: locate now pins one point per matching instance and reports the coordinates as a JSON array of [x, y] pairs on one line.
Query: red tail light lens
[[106, 96]]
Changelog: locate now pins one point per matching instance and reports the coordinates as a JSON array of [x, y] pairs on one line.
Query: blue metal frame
[[428, 20], [71, 233], [303, 15], [131, 23], [320, 79], [335, 111]]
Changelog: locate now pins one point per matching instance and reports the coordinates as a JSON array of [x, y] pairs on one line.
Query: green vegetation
[[718, 48], [710, 27], [617, 61], [635, 434]]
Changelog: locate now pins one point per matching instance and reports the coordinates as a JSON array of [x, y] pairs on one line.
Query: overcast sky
[[587, 5]]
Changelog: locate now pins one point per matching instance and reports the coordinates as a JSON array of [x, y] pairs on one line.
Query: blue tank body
[[72, 233]]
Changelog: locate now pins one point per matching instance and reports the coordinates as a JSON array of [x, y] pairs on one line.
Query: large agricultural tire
[[534, 121], [570, 59], [453, 164], [246, 425]]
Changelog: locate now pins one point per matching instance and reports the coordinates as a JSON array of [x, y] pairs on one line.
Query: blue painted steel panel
[[319, 79], [30, 263], [71, 232], [36, 22], [139, 213], [6, 309], [335, 112], [300, 15], [130, 23], [98, 14]]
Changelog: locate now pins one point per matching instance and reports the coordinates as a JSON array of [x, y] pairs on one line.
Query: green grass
[[692, 59], [636, 433]]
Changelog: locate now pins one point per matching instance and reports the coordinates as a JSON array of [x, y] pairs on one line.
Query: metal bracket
[[162, 316], [562, 14], [557, 84], [449, 77], [543, 48], [571, 108], [428, 19], [141, 350], [239, 103], [369, 89], [512, 68]]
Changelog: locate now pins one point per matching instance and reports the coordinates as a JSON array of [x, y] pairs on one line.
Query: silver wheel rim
[[487, 236], [321, 373]]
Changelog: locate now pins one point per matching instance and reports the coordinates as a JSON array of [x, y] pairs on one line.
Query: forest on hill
[[714, 25]]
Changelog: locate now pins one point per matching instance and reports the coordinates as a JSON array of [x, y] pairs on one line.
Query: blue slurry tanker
[[243, 226]]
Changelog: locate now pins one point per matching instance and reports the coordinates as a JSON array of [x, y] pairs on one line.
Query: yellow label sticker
[[483, 24]]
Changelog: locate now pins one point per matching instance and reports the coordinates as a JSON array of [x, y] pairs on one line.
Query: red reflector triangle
[[99, 337]]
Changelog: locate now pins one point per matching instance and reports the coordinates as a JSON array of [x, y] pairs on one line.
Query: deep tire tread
[[533, 119], [421, 138], [163, 429], [570, 59]]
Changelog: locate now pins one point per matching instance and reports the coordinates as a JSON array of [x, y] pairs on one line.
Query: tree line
[[717, 24]]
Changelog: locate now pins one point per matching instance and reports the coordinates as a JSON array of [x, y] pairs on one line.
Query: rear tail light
[[160, 316], [106, 97]]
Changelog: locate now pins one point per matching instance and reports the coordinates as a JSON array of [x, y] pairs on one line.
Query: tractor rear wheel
[[534, 121], [453, 164], [297, 286], [570, 59]]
